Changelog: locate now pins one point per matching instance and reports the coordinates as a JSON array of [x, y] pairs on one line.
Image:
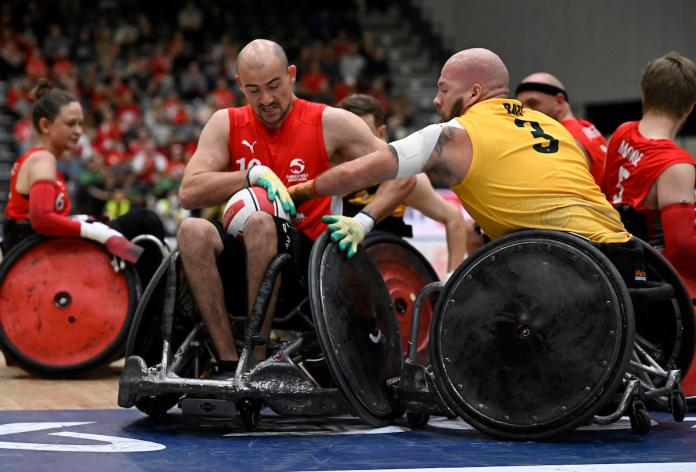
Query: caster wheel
[[250, 413], [640, 418], [677, 404], [417, 420]]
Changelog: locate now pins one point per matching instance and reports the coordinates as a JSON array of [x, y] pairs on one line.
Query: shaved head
[[259, 53], [266, 80], [543, 78], [478, 65], [468, 77], [543, 92]]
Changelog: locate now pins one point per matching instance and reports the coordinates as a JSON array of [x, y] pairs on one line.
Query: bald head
[[478, 65], [543, 78], [468, 77], [266, 79], [543, 92], [259, 53]]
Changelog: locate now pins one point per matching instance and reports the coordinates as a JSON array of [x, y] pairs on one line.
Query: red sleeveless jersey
[[295, 152], [594, 143], [18, 205], [634, 162]]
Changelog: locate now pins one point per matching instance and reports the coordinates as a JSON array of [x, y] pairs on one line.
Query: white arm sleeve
[[414, 150]]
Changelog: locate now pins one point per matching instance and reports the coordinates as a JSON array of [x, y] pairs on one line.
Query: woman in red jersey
[[38, 201]]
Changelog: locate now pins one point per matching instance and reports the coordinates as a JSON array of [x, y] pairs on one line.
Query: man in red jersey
[[648, 172], [545, 93], [275, 141]]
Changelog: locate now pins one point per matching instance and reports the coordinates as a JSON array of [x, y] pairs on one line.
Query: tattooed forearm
[[446, 137]]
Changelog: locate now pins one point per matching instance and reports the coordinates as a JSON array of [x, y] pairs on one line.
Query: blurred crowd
[[149, 76]]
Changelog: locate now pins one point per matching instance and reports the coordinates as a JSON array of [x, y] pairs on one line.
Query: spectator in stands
[[128, 67], [147, 165], [351, 64], [193, 83], [118, 204]]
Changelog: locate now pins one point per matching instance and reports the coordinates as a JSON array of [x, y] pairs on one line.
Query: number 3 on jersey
[[538, 132]]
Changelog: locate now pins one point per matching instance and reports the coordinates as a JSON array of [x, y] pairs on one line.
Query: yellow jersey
[[527, 172]]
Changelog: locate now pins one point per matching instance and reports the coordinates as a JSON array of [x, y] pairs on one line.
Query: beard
[[275, 121], [457, 110]]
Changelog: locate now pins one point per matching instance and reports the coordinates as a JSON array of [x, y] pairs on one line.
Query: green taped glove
[[266, 178], [348, 232]]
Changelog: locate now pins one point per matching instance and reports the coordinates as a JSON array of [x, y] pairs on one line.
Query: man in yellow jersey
[[422, 196], [511, 167]]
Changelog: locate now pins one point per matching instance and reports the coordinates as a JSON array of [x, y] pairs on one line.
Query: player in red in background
[[38, 201], [648, 172], [275, 141], [543, 92]]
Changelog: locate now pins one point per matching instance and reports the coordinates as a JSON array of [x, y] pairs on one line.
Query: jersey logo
[[250, 146], [297, 171], [297, 166]]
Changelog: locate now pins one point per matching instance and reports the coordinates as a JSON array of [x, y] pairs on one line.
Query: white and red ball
[[243, 204]]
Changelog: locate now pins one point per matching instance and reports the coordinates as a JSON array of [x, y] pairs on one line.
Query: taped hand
[[303, 192]]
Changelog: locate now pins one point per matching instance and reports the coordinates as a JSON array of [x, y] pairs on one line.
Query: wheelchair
[[660, 269], [66, 304], [532, 336], [345, 352], [536, 334]]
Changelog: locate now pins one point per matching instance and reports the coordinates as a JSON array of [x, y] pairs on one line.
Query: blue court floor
[[126, 440]]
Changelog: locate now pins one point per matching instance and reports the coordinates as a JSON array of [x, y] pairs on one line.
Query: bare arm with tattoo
[[449, 161]]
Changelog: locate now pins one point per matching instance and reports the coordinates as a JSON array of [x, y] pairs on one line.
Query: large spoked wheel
[[145, 338], [64, 308], [356, 328], [405, 271], [532, 336]]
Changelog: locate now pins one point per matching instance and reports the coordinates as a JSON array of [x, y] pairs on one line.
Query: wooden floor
[[22, 391]]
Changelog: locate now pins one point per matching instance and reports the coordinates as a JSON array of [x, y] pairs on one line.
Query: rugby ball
[[242, 204]]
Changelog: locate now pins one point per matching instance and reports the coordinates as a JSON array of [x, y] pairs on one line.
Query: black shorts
[[231, 264]]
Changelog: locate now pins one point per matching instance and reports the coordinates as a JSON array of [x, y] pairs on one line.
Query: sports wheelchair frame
[[534, 335], [537, 334], [351, 332]]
